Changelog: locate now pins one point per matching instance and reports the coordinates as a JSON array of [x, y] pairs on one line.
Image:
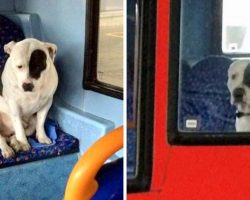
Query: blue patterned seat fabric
[[131, 152], [9, 31], [131, 132], [110, 181], [206, 98], [130, 93], [62, 144]]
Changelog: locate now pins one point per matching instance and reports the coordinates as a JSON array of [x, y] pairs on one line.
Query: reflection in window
[[204, 98], [236, 26], [110, 43]]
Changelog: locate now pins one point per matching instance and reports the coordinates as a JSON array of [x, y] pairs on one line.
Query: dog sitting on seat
[[239, 87], [29, 82]]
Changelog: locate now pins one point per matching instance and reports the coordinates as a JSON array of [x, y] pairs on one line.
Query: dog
[[239, 86], [29, 82]]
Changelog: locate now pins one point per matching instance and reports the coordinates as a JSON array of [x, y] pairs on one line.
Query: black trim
[[145, 113], [90, 81], [176, 137]]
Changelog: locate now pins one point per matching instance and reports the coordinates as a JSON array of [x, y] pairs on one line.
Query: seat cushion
[[62, 144]]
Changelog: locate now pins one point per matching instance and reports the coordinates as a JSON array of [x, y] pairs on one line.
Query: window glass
[[236, 26], [110, 43], [209, 101], [141, 29], [132, 78]]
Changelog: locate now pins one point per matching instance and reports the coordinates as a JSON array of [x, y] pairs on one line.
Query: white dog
[[29, 83], [239, 87]]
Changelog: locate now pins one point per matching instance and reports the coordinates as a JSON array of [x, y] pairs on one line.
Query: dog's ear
[[8, 47], [52, 48]]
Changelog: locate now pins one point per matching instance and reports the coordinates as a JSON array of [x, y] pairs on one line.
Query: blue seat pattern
[[131, 151], [110, 181], [9, 31], [205, 96], [130, 96], [63, 144]]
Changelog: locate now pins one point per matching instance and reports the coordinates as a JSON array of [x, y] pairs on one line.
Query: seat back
[[205, 96], [9, 31]]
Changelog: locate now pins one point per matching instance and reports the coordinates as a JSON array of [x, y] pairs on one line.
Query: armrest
[[81, 183]]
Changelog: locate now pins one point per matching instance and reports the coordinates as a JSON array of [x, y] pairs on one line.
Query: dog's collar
[[241, 114]]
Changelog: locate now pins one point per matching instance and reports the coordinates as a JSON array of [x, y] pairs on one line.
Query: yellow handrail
[[81, 184]]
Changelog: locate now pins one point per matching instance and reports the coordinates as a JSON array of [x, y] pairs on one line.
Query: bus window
[[131, 90], [141, 29], [103, 61], [202, 105]]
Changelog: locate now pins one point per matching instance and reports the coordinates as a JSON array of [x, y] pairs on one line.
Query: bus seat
[[62, 144], [9, 31], [130, 91], [30, 24], [205, 96], [131, 152], [110, 181]]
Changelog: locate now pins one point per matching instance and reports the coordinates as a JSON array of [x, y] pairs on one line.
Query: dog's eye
[[234, 76], [19, 66]]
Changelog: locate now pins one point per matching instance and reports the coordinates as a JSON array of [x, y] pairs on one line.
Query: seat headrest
[[9, 31]]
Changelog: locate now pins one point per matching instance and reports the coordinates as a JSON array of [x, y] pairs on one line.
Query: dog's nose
[[28, 87], [238, 94]]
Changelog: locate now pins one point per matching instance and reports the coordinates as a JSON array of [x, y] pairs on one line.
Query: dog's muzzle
[[238, 94], [28, 87]]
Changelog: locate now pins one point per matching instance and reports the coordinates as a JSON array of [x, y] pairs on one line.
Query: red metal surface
[[161, 78], [144, 196], [207, 173], [190, 172]]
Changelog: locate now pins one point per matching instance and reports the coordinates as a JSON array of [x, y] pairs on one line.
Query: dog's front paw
[[43, 139], [15, 145], [7, 152], [24, 146]]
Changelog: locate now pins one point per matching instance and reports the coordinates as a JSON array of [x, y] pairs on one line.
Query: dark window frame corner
[[90, 81]]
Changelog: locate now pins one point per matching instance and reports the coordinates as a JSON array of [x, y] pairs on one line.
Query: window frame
[[174, 136], [90, 81], [146, 40]]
